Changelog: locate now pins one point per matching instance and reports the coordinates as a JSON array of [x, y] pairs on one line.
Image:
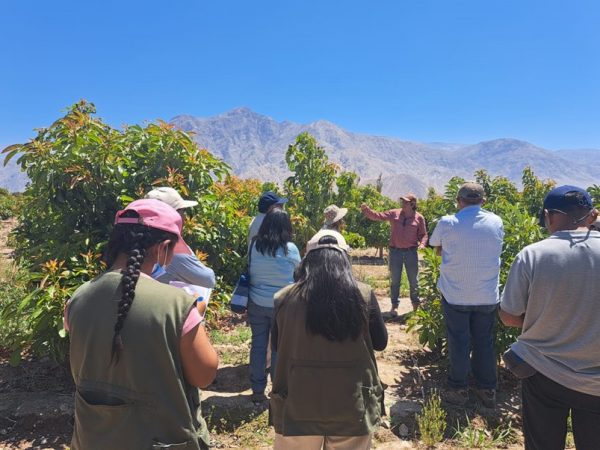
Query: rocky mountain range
[[11, 177], [255, 145]]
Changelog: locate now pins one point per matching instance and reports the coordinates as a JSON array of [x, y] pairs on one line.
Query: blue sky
[[425, 70]]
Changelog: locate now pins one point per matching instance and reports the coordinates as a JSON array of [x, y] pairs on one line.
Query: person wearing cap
[[267, 202], [138, 348], [470, 243], [408, 234], [273, 260], [185, 265], [553, 294], [326, 389], [332, 225]]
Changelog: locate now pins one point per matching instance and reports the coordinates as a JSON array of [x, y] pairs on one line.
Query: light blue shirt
[[471, 242], [189, 269], [255, 226], [269, 274]]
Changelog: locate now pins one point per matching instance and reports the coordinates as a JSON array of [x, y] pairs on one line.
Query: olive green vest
[[143, 402], [322, 387]]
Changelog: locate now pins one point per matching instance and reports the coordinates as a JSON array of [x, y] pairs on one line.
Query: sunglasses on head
[[542, 222]]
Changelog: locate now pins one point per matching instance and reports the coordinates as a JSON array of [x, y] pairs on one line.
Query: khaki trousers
[[322, 442]]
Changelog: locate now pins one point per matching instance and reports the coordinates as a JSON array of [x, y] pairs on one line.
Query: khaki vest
[[143, 402], [322, 387]]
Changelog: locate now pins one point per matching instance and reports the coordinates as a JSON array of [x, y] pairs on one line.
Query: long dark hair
[[335, 309], [133, 240], [274, 232]]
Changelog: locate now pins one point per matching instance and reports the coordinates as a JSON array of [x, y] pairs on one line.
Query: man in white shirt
[[553, 293], [470, 243]]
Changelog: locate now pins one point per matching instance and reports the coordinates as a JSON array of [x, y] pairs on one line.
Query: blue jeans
[[471, 334], [408, 258], [260, 319]]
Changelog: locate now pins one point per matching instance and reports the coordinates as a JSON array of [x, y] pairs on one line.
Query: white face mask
[[159, 270]]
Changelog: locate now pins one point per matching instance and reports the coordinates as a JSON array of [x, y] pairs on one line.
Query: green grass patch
[[234, 357], [477, 434], [255, 433], [383, 282], [237, 336]]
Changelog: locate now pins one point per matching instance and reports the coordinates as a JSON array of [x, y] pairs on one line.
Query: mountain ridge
[[404, 165], [255, 145]]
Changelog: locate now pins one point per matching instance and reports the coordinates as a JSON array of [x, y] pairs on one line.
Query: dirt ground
[[36, 398]]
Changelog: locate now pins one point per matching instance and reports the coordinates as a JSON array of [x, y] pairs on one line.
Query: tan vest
[[143, 402], [322, 387]]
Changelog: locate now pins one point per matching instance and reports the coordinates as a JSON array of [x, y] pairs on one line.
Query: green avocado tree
[[81, 172]]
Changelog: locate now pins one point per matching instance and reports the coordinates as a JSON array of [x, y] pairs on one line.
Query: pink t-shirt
[[406, 232]]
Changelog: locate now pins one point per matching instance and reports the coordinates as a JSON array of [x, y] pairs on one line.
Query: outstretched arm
[[372, 215]]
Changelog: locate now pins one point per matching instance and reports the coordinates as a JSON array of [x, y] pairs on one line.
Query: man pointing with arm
[[408, 234]]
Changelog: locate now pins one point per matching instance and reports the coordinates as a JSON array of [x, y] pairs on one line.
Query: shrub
[[432, 421], [13, 289], [428, 319], [10, 204], [82, 171]]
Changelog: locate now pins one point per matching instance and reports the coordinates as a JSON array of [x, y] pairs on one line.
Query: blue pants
[[408, 258], [471, 334], [260, 319]]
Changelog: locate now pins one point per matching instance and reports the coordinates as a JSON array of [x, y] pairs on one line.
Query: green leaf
[[125, 199], [11, 151]]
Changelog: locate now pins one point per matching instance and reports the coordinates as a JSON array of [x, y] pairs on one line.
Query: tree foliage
[[310, 187], [10, 204], [81, 172]]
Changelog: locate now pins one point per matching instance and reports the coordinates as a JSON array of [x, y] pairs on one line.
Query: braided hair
[[133, 240]]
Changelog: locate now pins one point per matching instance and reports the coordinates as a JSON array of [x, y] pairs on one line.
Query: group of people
[[552, 293], [139, 349]]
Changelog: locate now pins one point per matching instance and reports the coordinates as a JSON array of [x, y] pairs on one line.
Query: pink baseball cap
[[154, 214]]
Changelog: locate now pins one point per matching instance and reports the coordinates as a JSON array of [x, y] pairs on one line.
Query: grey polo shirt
[[556, 284]]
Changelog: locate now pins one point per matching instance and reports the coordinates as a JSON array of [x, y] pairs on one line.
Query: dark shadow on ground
[[225, 414], [231, 379], [38, 431], [399, 319]]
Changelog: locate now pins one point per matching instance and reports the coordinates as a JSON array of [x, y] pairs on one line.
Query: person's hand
[[421, 246], [201, 306]]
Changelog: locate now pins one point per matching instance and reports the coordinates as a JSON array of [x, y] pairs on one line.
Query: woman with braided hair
[[138, 350]]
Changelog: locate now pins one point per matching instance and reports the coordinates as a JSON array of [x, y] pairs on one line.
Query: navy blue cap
[[558, 199], [269, 199]]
